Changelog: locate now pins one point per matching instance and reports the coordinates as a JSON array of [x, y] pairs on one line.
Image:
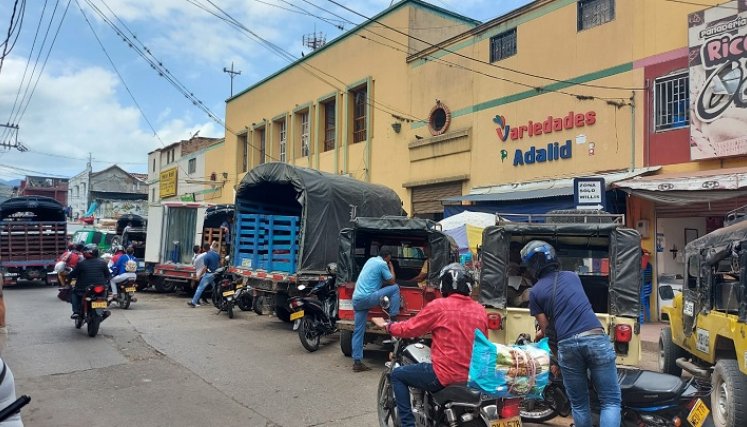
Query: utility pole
[[12, 141], [232, 73]]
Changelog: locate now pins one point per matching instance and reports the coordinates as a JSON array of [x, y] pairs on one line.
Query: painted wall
[[189, 185], [673, 230]]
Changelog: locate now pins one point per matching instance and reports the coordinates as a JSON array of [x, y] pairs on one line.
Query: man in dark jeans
[[559, 304], [91, 271], [452, 321]]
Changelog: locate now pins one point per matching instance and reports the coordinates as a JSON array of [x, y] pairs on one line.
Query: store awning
[[685, 188], [540, 189]]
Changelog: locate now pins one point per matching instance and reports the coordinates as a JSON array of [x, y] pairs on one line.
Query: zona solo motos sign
[[544, 152]]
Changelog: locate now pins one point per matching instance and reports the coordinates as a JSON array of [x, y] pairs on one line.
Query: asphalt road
[[161, 363]]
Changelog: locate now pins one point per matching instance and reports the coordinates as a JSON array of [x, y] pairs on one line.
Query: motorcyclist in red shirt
[[452, 322]]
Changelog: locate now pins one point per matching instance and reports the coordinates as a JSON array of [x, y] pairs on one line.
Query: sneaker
[[358, 366], [193, 305], [75, 316]]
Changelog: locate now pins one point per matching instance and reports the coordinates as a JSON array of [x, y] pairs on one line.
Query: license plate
[[698, 414], [98, 304], [228, 293], [296, 315], [507, 422], [239, 287], [128, 290]]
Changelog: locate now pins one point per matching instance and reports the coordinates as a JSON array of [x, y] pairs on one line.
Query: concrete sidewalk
[[650, 335]]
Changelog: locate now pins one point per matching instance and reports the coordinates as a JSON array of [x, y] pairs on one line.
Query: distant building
[[55, 188], [115, 191]]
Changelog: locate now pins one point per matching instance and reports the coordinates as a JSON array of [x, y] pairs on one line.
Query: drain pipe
[[632, 131]]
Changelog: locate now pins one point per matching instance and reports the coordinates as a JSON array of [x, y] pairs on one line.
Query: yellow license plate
[[239, 287], [698, 414], [228, 293], [508, 422], [98, 304], [133, 289], [296, 315]]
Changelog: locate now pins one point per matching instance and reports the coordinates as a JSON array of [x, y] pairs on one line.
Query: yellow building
[[501, 116]]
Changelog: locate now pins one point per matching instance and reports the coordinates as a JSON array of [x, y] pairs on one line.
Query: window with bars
[[503, 45], [262, 148], [592, 13], [192, 166], [360, 104], [244, 143], [329, 125], [671, 102], [283, 139], [305, 141]]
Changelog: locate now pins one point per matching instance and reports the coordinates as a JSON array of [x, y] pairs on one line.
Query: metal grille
[[262, 146], [592, 13], [305, 148], [360, 99], [329, 126], [503, 45], [283, 139], [671, 102]]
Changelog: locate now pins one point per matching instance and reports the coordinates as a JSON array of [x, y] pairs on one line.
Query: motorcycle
[[126, 293], [95, 311], [453, 406], [224, 291], [649, 399], [315, 315]]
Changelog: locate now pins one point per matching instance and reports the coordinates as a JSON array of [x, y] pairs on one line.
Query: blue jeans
[[361, 306], [595, 354], [206, 280], [76, 298], [420, 376]]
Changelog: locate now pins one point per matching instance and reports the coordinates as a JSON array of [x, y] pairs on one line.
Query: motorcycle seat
[[457, 393], [646, 388]]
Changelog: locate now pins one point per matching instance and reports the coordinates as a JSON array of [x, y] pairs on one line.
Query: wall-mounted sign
[[167, 183], [553, 150], [718, 72], [588, 193]]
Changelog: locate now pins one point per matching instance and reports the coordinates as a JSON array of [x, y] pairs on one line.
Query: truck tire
[[669, 352], [164, 286], [258, 304], [282, 311], [729, 395], [346, 343]]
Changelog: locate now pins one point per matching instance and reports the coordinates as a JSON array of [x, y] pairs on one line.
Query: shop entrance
[[427, 199]]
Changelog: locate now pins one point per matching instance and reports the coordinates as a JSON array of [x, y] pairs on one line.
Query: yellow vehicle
[[708, 322], [605, 254]]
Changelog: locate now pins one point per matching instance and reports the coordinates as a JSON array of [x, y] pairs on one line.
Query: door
[[691, 294], [426, 199]]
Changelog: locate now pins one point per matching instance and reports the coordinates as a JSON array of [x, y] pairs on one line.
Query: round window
[[439, 119]]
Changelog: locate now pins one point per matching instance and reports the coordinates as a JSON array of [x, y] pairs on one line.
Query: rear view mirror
[[666, 292]]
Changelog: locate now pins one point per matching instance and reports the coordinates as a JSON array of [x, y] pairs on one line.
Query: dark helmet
[[91, 251], [130, 250], [539, 257], [454, 278], [80, 246]]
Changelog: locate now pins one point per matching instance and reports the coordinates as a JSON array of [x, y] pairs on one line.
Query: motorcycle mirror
[[301, 287], [385, 302], [332, 268]]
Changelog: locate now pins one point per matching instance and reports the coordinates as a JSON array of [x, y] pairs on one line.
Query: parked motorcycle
[[453, 406], [94, 309], [224, 291], [126, 293], [649, 399], [315, 315]]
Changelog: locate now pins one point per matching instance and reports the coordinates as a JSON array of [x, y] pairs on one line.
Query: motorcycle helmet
[[454, 278], [90, 251], [130, 250], [539, 257]]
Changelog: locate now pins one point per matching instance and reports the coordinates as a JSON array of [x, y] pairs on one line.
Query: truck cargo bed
[[31, 243]]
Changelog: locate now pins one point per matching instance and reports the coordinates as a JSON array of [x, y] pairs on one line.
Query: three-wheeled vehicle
[[708, 321], [408, 238], [597, 246]]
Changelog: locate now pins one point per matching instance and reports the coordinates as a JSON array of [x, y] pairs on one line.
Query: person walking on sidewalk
[[647, 286], [376, 272], [212, 263], [564, 313]]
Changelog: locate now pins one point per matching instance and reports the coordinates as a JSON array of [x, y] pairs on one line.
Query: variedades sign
[[546, 146], [718, 72]]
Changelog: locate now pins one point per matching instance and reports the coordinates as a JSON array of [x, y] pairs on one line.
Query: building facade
[[501, 116], [177, 172], [111, 192], [55, 188]]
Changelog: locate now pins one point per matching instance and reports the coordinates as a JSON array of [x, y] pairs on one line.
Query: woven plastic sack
[[509, 371]]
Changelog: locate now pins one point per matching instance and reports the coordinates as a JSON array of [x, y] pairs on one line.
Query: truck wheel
[[729, 395], [258, 304], [669, 352], [346, 343], [164, 286]]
